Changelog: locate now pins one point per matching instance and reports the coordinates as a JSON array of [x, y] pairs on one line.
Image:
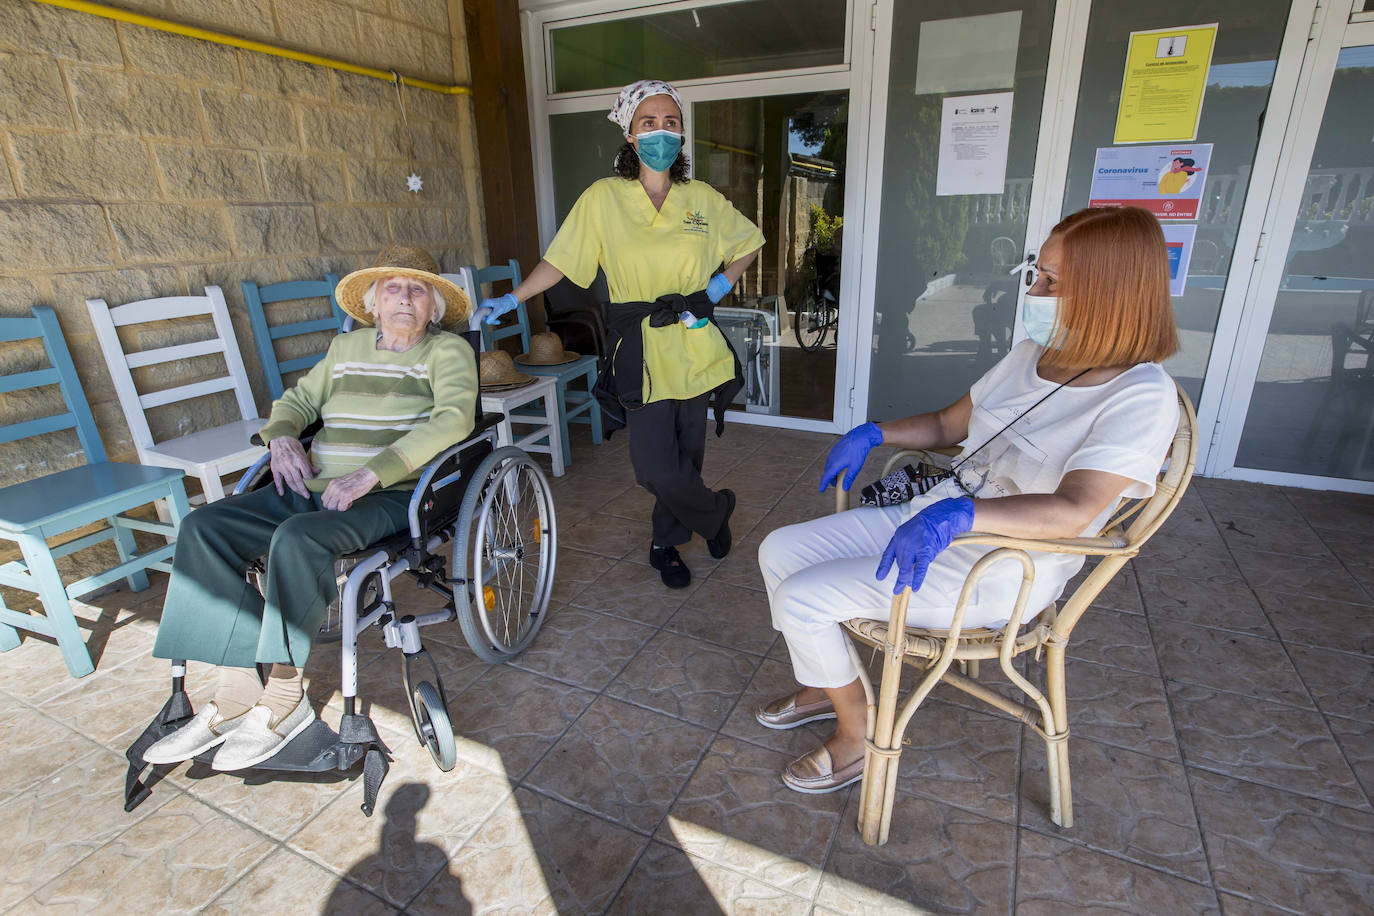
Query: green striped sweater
[[387, 411]]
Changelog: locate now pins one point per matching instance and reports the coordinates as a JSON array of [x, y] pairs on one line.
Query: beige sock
[[238, 690], [283, 691]]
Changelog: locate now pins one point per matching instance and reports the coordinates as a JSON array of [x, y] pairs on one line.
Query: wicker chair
[[937, 651]]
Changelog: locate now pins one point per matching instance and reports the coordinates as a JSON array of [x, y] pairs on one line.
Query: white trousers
[[822, 572]]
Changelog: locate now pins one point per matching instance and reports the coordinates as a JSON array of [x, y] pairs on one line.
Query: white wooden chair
[[207, 454], [542, 422]]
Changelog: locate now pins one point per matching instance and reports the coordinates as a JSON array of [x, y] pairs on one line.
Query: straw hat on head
[[496, 370], [402, 261], [546, 349]]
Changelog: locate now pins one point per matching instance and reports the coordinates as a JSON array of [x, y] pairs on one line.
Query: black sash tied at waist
[[620, 383]]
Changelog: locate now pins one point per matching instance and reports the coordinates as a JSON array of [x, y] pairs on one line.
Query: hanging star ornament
[[414, 182]]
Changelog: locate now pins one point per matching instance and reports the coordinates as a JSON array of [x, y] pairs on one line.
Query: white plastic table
[[544, 434]]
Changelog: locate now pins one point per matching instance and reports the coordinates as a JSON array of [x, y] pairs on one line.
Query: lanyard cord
[[965, 459]]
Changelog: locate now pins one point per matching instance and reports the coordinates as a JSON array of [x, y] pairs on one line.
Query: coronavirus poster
[[1178, 242], [1167, 180]]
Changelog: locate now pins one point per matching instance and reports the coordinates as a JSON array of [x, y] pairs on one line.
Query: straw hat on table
[[497, 371]]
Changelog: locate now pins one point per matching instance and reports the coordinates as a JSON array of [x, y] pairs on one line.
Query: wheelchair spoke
[[507, 564], [512, 554]]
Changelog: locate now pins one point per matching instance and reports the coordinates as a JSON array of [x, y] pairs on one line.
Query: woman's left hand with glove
[[921, 538]]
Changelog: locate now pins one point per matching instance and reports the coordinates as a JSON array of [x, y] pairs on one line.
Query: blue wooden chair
[[574, 404], [518, 322], [266, 336], [35, 511]]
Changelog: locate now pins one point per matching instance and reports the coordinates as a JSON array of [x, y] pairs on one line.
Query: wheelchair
[[493, 505]]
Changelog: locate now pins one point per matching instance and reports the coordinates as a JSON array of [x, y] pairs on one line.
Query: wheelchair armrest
[[261, 470], [257, 474], [436, 464], [306, 434], [427, 505]]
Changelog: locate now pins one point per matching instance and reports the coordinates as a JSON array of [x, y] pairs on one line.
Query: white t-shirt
[[1123, 427]]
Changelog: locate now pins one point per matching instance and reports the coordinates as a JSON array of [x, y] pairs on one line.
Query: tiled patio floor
[[1222, 702]]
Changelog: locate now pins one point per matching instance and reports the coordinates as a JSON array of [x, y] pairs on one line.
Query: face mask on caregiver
[[1037, 317], [658, 149]]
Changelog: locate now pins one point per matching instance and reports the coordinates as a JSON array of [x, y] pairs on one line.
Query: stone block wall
[[135, 163]]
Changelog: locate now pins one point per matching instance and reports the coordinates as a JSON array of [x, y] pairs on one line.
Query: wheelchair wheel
[[812, 319], [506, 545], [435, 728], [809, 320]]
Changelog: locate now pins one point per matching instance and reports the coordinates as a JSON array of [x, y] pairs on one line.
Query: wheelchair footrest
[[319, 749], [175, 713]]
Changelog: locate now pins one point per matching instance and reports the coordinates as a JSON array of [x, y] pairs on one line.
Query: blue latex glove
[[718, 287], [850, 453], [499, 306], [917, 542]]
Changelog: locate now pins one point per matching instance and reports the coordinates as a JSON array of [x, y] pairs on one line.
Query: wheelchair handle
[[475, 319]]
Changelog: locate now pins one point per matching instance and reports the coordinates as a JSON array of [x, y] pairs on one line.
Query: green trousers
[[212, 614]]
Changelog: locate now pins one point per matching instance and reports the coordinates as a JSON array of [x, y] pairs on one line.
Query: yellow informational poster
[[1161, 91]]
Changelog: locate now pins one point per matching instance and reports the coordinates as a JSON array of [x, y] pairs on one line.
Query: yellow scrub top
[[648, 253]]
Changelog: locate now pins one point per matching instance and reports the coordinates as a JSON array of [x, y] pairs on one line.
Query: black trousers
[[667, 447]]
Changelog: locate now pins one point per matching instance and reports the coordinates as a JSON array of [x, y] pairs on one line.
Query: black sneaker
[[720, 544], [671, 569]]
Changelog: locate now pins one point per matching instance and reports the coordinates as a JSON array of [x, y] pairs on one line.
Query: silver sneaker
[[203, 732], [258, 738]]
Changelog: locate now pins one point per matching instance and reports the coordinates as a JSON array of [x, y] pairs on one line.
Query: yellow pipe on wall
[[219, 38]]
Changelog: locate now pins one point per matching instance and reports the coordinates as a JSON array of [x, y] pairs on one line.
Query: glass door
[[781, 161], [1303, 393], [767, 87], [1236, 98], [960, 132]]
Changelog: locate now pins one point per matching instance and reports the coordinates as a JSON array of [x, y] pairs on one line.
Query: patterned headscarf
[[628, 101]]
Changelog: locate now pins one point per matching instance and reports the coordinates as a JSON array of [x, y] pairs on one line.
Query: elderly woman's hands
[[290, 466], [922, 537], [342, 491]]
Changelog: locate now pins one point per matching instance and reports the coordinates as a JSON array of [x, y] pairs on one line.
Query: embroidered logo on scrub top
[[695, 222]]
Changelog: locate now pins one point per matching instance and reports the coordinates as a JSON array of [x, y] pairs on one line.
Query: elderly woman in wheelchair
[[1052, 437], [402, 464], [388, 399]]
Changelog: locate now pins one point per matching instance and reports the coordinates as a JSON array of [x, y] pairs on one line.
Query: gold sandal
[[814, 773]]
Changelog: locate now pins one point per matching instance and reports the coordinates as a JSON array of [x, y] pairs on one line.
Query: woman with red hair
[[1053, 436]]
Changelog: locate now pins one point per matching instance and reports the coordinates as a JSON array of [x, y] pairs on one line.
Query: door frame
[[1331, 29], [854, 77], [1313, 37], [1063, 69], [1068, 43]]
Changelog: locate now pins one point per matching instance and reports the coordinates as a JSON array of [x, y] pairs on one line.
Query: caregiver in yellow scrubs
[[671, 248]]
